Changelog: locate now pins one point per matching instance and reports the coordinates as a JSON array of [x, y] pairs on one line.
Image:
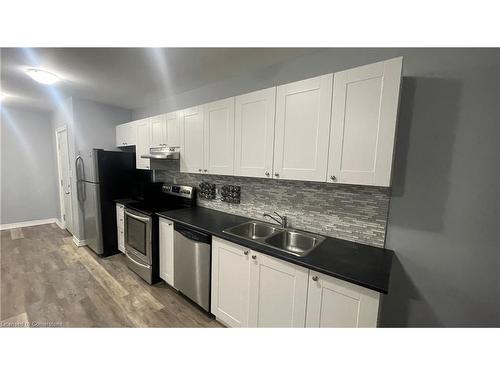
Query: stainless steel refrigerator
[[102, 177]]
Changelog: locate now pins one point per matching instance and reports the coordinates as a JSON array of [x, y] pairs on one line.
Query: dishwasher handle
[[192, 234]]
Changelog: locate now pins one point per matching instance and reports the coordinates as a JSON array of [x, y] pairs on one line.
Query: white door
[[158, 131], [230, 283], [278, 292], [335, 303], [254, 133], [192, 142], [302, 129], [219, 137], [143, 143], [173, 138], [167, 251], [364, 115], [64, 178]]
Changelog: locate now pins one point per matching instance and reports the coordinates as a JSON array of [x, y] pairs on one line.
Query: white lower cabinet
[[278, 292], [251, 289], [167, 251], [120, 227], [335, 303], [230, 283]]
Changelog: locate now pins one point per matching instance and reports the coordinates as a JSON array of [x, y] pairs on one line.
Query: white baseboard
[[30, 223], [60, 224], [78, 242]]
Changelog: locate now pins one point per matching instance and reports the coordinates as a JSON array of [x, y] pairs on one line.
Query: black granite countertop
[[124, 201], [364, 265]]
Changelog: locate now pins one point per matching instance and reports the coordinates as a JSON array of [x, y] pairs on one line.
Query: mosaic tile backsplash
[[354, 213]]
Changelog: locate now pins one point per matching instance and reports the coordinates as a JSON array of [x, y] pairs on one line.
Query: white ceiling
[[127, 77]]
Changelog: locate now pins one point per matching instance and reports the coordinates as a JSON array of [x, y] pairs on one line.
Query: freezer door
[[92, 215], [86, 166]]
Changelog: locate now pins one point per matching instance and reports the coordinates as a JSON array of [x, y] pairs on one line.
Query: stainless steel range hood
[[170, 153]]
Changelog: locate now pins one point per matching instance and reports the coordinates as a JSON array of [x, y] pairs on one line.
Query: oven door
[[138, 236]]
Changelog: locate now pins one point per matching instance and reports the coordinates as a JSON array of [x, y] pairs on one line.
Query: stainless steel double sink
[[288, 240]]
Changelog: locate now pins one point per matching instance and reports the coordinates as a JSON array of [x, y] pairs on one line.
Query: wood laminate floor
[[47, 281]]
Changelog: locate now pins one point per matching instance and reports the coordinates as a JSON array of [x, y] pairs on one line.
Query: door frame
[[64, 210]]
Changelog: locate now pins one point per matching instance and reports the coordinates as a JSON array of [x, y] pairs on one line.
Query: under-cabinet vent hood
[[171, 153]]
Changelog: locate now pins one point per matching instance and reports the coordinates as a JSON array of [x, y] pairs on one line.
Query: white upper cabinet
[[364, 115], [158, 131], [143, 143], [278, 292], [126, 134], [192, 140], [173, 136], [219, 137], [335, 303], [302, 129], [254, 133], [230, 283]]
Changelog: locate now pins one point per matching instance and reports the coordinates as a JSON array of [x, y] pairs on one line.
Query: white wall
[[28, 166], [90, 125]]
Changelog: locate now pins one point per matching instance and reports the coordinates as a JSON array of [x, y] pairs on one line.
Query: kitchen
[[291, 188]]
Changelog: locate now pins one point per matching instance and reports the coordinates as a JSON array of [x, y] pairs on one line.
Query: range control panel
[[179, 190]]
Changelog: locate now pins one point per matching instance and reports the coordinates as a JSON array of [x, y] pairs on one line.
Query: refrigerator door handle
[[80, 185]]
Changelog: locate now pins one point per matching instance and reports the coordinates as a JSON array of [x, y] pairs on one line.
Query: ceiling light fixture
[[42, 76]]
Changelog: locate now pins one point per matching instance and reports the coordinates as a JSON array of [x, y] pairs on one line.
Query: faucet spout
[[281, 221]]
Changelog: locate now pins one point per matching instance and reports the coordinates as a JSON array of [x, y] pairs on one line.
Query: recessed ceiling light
[[42, 76]]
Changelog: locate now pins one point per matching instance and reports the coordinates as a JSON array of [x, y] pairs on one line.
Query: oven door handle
[[141, 218], [136, 262]]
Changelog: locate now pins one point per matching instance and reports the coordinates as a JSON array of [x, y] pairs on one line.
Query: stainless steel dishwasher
[[192, 254]]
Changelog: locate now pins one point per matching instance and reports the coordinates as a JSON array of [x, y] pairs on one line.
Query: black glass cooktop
[[152, 207]]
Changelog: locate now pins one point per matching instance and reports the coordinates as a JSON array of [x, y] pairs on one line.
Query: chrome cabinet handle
[[315, 278], [245, 252], [276, 175], [333, 178], [267, 174], [199, 170], [205, 170], [254, 256]]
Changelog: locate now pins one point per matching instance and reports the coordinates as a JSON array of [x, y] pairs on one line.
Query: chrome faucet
[[282, 219]]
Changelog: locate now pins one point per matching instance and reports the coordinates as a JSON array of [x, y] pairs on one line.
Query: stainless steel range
[[141, 226]]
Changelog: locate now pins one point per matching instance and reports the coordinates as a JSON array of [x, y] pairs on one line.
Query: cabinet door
[[278, 293], [335, 303], [120, 226], [143, 143], [158, 131], [167, 251], [254, 133], [302, 129], [192, 142], [364, 114], [120, 130], [121, 239], [130, 133], [230, 283], [173, 138], [219, 137]]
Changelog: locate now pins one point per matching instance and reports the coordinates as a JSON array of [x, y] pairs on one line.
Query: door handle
[[136, 262], [141, 218]]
